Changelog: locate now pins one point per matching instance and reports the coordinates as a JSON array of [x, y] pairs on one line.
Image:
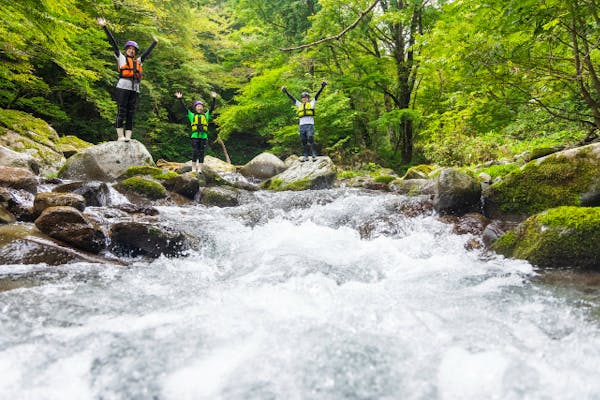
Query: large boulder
[[69, 225], [220, 196], [106, 162], [556, 238], [567, 178], [186, 185], [218, 165], [456, 192], [32, 136], [263, 166], [318, 174]]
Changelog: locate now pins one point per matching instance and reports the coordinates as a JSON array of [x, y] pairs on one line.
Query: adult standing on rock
[[128, 85], [306, 114]]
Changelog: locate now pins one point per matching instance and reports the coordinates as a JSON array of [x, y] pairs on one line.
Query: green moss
[[153, 172], [144, 187], [553, 182], [499, 171], [347, 174], [385, 179], [506, 244], [561, 237], [27, 125], [279, 185]]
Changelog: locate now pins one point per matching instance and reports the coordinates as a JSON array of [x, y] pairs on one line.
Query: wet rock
[[69, 225], [137, 209], [50, 199], [24, 244], [470, 223], [495, 229], [186, 185], [96, 193], [6, 217], [220, 196], [318, 174], [139, 238], [18, 178], [263, 166], [456, 192], [413, 187]]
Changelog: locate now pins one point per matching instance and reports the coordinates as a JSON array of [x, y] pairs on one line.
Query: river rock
[[23, 133], [18, 178], [50, 199], [456, 192], [10, 158], [562, 237], [263, 166], [70, 226], [567, 178], [220, 196], [24, 244], [6, 217], [413, 187], [186, 185], [147, 239], [319, 174], [106, 162], [95, 193]]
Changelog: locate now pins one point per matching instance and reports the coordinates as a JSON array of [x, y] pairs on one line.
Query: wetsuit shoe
[[314, 158]]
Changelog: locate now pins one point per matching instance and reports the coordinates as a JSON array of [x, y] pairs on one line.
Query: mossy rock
[[70, 145], [154, 172], [23, 133], [142, 186], [562, 237], [557, 180], [421, 171]]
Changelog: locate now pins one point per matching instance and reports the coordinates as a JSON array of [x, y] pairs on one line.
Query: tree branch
[[339, 35]]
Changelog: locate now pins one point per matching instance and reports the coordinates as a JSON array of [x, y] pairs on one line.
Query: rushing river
[[310, 295]]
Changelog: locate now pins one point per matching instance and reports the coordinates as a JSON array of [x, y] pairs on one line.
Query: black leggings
[[126, 101], [198, 147]]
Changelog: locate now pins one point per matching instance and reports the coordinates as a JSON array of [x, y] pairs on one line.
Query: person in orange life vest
[[199, 120], [306, 115], [128, 85]]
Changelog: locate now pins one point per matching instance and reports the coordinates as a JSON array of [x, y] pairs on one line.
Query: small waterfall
[[332, 294]]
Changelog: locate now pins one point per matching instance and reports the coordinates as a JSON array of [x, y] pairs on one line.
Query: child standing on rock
[[128, 85], [199, 120]]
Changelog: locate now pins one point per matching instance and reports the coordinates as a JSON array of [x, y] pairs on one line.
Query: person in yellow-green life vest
[[306, 115], [199, 120]]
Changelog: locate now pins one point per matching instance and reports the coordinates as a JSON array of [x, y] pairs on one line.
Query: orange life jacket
[[132, 69]]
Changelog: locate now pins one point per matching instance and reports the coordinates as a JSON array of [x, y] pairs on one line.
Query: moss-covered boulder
[[23, 133], [561, 179], [556, 238], [220, 196], [318, 174], [142, 186], [421, 171]]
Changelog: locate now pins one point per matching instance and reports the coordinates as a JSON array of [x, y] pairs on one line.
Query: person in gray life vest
[[199, 119], [306, 124], [128, 86]]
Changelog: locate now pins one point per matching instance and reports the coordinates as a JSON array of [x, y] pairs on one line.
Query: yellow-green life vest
[[199, 119], [305, 110]]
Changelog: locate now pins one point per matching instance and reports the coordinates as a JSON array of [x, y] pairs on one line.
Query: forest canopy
[[409, 81]]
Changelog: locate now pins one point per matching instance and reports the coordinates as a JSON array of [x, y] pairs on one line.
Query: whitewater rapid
[[329, 294]]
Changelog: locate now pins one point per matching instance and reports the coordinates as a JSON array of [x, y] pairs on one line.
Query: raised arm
[[284, 90], [146, 52], [109, 35], [323, 84], [214, 100], [179, 95]]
